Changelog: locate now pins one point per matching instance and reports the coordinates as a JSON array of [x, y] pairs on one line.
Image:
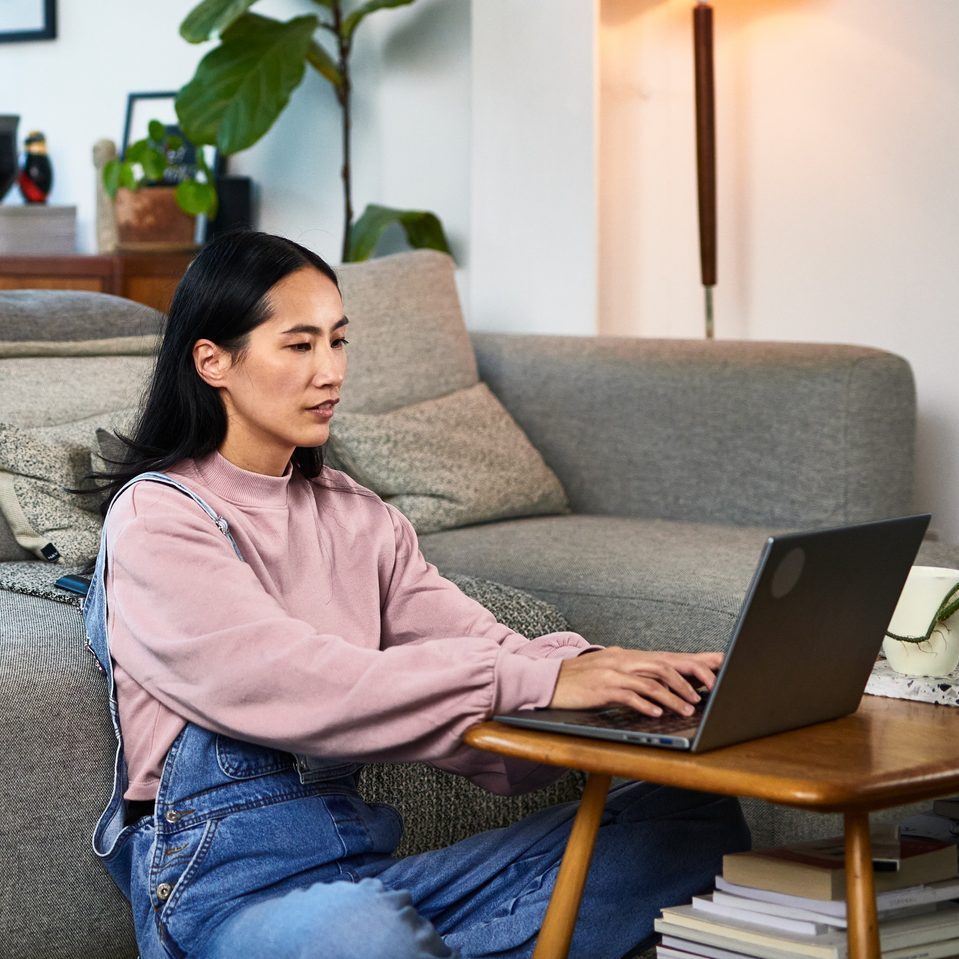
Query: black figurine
[[36, 174]]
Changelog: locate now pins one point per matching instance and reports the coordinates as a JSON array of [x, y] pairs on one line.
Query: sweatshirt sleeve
[[204, 637], [421, 605]]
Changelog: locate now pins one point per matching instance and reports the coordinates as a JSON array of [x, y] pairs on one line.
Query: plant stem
[[343, 97]]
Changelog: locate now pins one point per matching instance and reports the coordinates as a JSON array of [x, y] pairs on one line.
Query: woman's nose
[[329, 368]]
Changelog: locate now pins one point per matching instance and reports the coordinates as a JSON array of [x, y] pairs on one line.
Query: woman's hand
[[647, 682]]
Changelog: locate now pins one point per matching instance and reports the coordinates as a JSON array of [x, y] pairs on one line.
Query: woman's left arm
[[422, 606]]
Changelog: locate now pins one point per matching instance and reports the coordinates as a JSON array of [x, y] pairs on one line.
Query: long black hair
[[222, 297]]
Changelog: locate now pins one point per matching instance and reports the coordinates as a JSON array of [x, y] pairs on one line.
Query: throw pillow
[[408, 339], [452, 461], [38, 467]]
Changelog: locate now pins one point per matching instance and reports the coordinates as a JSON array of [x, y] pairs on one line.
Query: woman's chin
[[313, 438]]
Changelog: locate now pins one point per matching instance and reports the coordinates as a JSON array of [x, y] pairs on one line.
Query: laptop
[[801, 650]]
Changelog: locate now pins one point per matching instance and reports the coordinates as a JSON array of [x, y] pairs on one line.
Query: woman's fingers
[[659, 695], [646, 681]]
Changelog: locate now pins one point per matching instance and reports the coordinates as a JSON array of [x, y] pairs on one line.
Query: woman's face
[[281, 391]]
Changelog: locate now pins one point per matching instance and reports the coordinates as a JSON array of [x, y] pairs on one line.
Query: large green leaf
[[351, 22], [423, 230], [242, 86], [211, 17]]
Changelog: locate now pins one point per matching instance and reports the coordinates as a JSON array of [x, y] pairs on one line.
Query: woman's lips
[[323, 411]]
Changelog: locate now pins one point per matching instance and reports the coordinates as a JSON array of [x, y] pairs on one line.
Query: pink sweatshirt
[[334, 638]]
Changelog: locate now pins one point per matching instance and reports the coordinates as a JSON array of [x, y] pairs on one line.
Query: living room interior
[[555, 139]]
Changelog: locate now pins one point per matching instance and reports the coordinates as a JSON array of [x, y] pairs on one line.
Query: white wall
[[533, 243], [411, 137], [838, 125]]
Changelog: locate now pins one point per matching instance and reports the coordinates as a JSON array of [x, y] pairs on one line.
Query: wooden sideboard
[[148, 278]]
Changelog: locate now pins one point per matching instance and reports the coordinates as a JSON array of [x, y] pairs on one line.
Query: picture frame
[[160, 105], [22, 20]]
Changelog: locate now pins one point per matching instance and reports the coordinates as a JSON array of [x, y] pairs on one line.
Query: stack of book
[[941, 821], [36, 228], [789, 902]]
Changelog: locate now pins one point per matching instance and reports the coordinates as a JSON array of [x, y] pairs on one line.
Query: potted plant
[[922, 639], [158, 189], [244, 83]]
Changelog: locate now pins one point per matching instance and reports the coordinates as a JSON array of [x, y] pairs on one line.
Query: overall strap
[[222, 525], [94, 605], [111, 826]]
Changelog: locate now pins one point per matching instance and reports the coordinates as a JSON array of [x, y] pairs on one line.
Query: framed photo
[[27, 20], [144, 107]]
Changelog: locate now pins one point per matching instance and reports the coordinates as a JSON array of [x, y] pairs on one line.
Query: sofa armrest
[[780, 434]]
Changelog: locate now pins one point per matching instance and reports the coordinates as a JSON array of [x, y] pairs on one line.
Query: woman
[[268, 625]]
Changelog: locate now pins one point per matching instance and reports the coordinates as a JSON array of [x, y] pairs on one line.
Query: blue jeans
[[241, 858]]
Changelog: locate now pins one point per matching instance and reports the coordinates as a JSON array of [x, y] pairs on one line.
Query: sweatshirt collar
[[241, 486]]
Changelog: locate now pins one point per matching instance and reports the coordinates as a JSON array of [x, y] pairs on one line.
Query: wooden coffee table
[[889, 752]]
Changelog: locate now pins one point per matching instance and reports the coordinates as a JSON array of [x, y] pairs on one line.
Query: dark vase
[[8, 152], [36, 175]]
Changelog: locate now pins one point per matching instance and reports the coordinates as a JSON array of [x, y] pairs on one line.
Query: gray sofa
[[677, 458]]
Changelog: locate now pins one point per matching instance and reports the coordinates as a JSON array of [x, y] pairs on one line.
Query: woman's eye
[[342, 341], [301, 347]]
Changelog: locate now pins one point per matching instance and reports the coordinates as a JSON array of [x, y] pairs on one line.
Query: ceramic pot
[[149, 220], [925, 589]]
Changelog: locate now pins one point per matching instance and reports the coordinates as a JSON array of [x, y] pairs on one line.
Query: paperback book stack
[[940, 822], [789, 902], [36, 228]]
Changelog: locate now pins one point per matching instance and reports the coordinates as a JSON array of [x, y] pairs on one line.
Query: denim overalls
[[254, 851]]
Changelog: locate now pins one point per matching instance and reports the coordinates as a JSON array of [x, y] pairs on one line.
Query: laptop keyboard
[[622, 717]]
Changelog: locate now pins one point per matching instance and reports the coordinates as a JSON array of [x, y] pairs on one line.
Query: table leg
[[557, 932], [860, 889]]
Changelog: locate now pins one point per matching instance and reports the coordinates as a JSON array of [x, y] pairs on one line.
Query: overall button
[[163, 891], [172, 816]]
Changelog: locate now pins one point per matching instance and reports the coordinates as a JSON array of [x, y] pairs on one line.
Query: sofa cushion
[[408, 341], [38, 467], [48, 390], [448, 462], [56, 899], [624, 581]]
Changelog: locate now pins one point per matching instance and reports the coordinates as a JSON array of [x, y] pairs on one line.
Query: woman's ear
[[211, 362]]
